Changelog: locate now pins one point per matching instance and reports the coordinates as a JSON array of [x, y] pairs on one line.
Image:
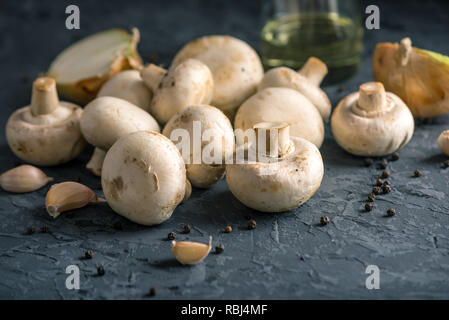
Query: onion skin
[[419, 77]]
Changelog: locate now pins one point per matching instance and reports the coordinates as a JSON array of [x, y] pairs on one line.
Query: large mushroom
[[47, 132], [106, 119], [210, 141], [372, 122], [185, 84], [306, 81], [144, 177], [128, 85], [235, 66], [281, 104], [286, 172]]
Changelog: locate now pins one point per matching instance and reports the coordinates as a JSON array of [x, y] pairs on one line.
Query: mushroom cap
[[282, 104], [185, 84], [47, 139], [288, 78], [236, 68], [106, 119], [376, 134], [212, 120], [128, 85], [443, 142], [144, 177], [278, 186]]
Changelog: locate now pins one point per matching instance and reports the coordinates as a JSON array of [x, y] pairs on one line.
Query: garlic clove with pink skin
[[24, 178], [67, 196]]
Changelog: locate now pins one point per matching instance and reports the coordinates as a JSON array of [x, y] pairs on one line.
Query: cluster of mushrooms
[[212, 81]]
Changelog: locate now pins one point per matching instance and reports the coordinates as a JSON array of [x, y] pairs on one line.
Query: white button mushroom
[[372, 122], [48, 131], [281, 181], [144, 177], [128, 85], [185, 84], [443, 142], [219, 139], [106, 119], [305, 81], [282, 104], [236, 68]]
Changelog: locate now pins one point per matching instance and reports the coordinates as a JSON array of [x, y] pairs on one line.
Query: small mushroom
[[372, 122], [106, 119], [128, 85], [443, 142], [144, 177], [286, 173], [281, 104], [185, 84], [214, 131], [236, 68], [47, 132], [305, 81]]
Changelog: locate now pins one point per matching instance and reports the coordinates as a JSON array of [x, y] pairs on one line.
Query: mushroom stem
[[44, 99], [152, 76], [372, 97], [405, 48], [273, 138], [96, 162], [315, 70]]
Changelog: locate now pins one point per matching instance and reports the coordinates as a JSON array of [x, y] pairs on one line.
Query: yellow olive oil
[[291, 39]]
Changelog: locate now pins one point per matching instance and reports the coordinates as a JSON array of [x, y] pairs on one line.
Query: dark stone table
[[288, 255]]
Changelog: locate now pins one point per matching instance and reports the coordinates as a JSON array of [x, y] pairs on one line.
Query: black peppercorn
[[395, 156], [386, 182], [31, 230], [100, 270], [368, 162], [386, 188], [171, 236], [369, 206], [385, 174], [376, 190], [324, 220], [391, 212], [371, 197], [418, 173], [228, 229], [252, 224], [152, 292], [219, 249], [446, 164], [379, 182], [384, 163], [187, 229], [89, 254]]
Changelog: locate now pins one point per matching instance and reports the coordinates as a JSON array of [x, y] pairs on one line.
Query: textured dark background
[[288, 255]]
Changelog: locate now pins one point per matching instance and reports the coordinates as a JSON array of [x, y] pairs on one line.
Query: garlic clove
[[23, 179], [188, 252], [68, 196]]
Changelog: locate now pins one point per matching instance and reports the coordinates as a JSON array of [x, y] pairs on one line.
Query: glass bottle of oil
[[330, 30]]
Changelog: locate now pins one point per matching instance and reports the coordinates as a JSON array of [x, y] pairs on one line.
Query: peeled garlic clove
[[24, 178], [188, 252], [68, 196]]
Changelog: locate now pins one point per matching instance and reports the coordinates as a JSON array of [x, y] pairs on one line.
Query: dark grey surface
[[288, 255]]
